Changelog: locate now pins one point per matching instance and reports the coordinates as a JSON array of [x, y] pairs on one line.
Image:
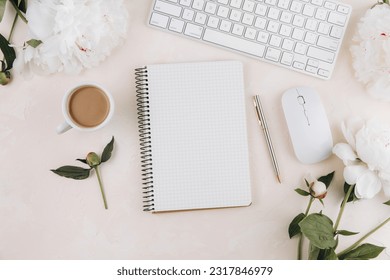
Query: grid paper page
[[199, 137]]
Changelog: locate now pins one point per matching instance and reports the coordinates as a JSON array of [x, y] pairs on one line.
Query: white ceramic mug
[[69, 121]]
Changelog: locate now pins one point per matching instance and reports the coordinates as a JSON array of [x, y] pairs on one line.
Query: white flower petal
[[353, 172], [386, 188], [350, 128], [344, 152], [367, 185]]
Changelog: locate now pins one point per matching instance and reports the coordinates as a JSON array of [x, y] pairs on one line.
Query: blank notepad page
[[198, 134]]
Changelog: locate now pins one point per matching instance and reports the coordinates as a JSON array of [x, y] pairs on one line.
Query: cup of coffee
[[86, 107]]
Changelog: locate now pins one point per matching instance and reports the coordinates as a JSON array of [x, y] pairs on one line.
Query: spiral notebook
[[193, 136]]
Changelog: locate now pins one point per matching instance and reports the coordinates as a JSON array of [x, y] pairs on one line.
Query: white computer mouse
[[308, 125]]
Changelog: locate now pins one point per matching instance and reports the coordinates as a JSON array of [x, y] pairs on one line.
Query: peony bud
[[5, 77], [93, 159], [318, 190]]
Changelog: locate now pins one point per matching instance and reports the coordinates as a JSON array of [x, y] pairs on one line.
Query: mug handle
[[64, 127]]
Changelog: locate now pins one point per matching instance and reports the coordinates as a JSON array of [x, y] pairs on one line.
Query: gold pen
[[262, 120]]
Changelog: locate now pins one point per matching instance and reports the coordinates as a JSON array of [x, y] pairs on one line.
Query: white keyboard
[[303, 35]]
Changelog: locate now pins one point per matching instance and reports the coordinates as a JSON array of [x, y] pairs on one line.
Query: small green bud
[[93, 159], [5, 77]]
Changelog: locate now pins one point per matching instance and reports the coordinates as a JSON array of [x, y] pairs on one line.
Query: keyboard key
[[248, 19], [313, 63], [308, 10], [263, 37], [198, 4], [273, 54], [311, 69], [300, 48], [236, 15], [176, 25], [260, 22], [159, 20], [213, 22], [311, 24], [321, 14], [236, 3], [167, 8], [271, 2], [223, 1], [330, 5], [185, 2], [223, 11], [288, 45], [200, 18], [298, 65], [337, 18], [296, 7], [286, 17], [233, 42], [317, 2], [238, 29], [298, 34], [287, 58], [284, 4], [273, 26], [311, 38], [225, 25], [250, 33], [210, 8], [261, 10], [249, 6], [275, 41], [285, 30], [336, 32], [298, 21], [328, 43], [343, 9], [323, 28], [188, 14], [323, 73], [193, 30], [273, 13], [320, 54]]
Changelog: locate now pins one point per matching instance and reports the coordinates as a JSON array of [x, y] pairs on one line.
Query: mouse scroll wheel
[[301, 100]]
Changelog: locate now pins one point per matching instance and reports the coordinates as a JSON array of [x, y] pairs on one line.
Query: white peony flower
[[366, 156], [75, 34], [318, 190], [371, 51]]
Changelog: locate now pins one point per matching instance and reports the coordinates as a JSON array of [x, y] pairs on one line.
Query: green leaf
[[82, 160], [2, 9], [302, 192], [34, 43], [327, 179], [346, 232], [294, 228], [307, 183], [387, 203], [329, 254], [318, 228], [73, 172], [363, 252], [313, 252], [106, 155], [9, 52], [352, 196], [21, 4]]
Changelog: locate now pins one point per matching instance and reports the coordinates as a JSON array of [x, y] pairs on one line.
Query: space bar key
[[233, 42]]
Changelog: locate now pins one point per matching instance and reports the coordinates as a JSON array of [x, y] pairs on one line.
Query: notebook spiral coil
[[141, 77]]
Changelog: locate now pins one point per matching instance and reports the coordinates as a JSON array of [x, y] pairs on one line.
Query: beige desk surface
[[44, 216]]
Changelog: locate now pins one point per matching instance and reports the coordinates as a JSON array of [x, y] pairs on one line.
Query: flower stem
[[300, 242], [12, 28], [19, 13], [341, 211], [357, 243], [101, 186]]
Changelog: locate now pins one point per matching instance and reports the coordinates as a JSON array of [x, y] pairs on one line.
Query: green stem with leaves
[[101, 186], [341, 211], [12, 28], [300, 242], [18, 12], [357, 243]]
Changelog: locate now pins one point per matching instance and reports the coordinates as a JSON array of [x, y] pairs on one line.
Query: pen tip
[[280, 181]]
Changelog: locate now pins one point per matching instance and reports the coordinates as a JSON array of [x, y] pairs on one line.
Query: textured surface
[[44, 216]]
